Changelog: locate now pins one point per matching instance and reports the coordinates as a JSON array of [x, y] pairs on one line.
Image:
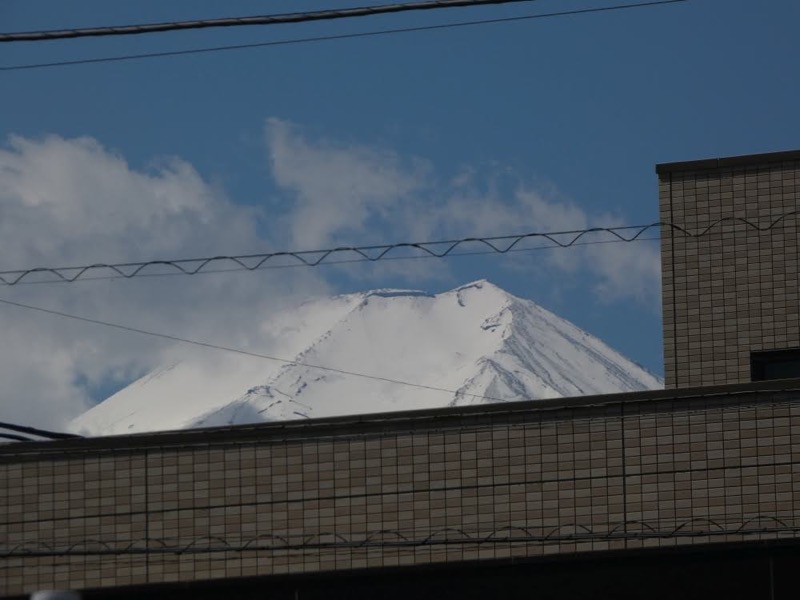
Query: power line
[[244, 352], [502, 244], [324, 38], [32, 431], [15, 438], [263, 20]]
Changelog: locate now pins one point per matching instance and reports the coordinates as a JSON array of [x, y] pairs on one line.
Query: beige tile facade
[[517, 480], [735, 289]]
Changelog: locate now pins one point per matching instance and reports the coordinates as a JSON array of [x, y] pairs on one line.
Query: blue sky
[[497, 129]]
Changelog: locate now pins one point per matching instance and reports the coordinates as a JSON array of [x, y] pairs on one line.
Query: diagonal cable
[[56, 435], [262, 20], [243, 352], [326, 38]]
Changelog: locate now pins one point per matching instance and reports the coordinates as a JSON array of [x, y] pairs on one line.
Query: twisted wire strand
[[262, 20], [502, 244]]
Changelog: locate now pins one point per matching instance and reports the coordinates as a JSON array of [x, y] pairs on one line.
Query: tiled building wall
[[507, 484], [735, 289]]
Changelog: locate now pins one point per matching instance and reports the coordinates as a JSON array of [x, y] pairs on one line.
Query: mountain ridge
[[472, 344]]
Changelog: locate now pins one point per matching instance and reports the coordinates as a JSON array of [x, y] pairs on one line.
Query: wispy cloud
[[72, 201], [361, 194], [339, 190]]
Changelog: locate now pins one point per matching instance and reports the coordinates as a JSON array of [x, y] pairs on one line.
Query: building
[[730, 269], [690, 491]]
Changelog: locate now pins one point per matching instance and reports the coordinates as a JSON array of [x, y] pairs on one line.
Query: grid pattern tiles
[[735, 289], [523, 482]]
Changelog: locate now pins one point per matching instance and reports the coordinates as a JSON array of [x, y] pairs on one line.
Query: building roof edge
[[382, 423], [728, 161]]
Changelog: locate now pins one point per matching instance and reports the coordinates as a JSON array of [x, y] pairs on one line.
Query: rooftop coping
[[392, 422], [729, 161]]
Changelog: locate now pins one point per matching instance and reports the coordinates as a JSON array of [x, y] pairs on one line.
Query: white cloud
[[67, 198], [338, 189], [360, 194], [616, 270], [626, 270], [71, 201]]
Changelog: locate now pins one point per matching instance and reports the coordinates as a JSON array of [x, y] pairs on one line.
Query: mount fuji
[[376, 351]]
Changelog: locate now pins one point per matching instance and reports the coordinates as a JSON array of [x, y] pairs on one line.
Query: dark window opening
[[775, 364]]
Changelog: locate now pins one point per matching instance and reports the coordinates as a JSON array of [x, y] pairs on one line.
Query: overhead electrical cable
[[23, 433], [35, 431], [502, 244], [15, 438], [262, 20], [325, 38], [243, 352]]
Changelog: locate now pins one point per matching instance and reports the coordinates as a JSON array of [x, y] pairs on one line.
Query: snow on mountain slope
[[474, 344]]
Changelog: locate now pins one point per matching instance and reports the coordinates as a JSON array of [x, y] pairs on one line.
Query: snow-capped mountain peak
[[380, 350]]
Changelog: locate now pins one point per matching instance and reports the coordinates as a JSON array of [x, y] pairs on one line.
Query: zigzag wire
[[760, 518], [382, 534], [313, 258], [431, 539], [269, 536], [710, 523], [510, 529], [379, 539], [209, 538], [642, 524]]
